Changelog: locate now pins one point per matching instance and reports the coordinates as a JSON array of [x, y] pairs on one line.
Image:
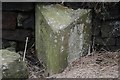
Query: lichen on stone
[[12, 65]]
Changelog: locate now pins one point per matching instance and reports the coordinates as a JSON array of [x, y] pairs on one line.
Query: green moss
[[47, 48], [12, 65], [17, 69]]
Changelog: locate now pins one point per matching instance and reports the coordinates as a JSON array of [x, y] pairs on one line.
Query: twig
[[25, 48], [62, 1], [32, 45], [89, 50]]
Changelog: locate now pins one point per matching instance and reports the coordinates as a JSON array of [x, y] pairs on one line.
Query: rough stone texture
[[58, 40], [114, 48], [118, 41], [21, 18], [107, 47], [109, 11], [33, 34], [25, 12], [96, 31], [96, 26], [18, 23], [12, 66], [107, 17], [110, 29], [9, 20], [111, 48], [15, 35], [7, 43], [105, 41], [0, 43], [17, 6], [29, 23], [20, 46], [26, 20]]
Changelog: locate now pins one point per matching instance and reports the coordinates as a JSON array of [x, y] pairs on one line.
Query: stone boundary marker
[[62, 35]]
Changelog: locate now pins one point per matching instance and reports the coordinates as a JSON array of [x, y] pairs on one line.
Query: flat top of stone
[[59, 16], [8, 56]]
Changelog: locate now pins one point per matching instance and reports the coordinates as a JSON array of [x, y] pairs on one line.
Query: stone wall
[[105, 24], [18, 22], [106, 27]]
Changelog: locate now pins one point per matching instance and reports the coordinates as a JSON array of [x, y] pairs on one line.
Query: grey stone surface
[[9, 20], [12, 65], [109, 11], [114, 48], [105, 41], [96, 26], [18, 6], [30, 22], [26, 20], [15, 35], [110, 29], [107, 48], [7, 43], [62, 35], [20, 46], [96, 31], [21, 18], [118, 41], [0, 66], [0, 43]]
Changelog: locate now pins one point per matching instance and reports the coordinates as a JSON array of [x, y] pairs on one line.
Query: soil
[[98, 65]]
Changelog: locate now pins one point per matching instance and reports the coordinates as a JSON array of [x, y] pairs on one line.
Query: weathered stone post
[[62, 34]]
